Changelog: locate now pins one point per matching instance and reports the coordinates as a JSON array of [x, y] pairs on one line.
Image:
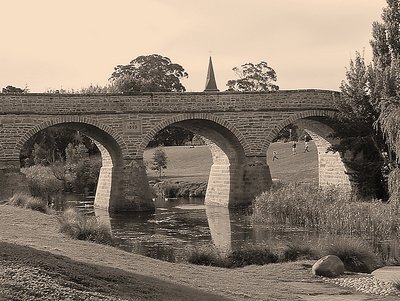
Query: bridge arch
[[292, 119], [110, 144], [318, 124], [193, 116], [69, 120], [228, 147]]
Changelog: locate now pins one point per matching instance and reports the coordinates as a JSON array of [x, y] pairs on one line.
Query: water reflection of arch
[[225, 235], [226, 181]]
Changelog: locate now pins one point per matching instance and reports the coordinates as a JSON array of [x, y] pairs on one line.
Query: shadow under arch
[[108, 191], [71, 120], [194, 116], [226, 180], [319, 125]]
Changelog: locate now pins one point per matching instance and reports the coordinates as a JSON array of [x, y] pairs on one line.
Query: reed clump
[[357, 255], [82, 227], [27, 201], [328, 211]]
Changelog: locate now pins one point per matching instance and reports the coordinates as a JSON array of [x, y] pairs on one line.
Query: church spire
[[211, 85]]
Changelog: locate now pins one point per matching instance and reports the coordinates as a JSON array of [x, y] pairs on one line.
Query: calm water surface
[[179, 224], [183, 223]]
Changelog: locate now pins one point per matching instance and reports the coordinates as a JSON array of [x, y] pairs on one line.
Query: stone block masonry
[[240, 125]]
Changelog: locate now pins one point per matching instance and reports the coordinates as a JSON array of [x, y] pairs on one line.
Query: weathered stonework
[[241, 125]]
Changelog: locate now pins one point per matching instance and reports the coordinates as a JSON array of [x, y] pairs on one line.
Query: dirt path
[[135, 277]]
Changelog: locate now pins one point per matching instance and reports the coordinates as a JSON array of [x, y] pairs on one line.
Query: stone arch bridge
[[240, 125]]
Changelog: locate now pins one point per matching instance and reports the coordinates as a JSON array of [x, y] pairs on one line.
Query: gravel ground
[[365, 283], [19, 282]]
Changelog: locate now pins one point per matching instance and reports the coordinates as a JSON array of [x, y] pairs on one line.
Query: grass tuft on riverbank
[[79, 226], [356, 254], [26, 201]]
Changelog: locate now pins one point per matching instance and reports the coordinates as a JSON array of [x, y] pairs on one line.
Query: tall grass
[[29, 202], [246, 255], [328, 211], [79, 226], [357, 255]]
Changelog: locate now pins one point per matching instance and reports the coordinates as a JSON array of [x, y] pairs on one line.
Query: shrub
[[82, 227], [251, 254], [246, 255], [86, 173], [356, 254], [206, 255], [42, 182], [29, 202], [170, 190], [297, 250]]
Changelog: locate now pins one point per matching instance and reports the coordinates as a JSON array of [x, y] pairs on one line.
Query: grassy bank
[[187, 164], [34, 241]]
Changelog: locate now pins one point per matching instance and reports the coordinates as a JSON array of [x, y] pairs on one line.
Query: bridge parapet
[[166, 102]]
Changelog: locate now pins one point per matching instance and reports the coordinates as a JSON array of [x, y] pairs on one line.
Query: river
[[179, 224]]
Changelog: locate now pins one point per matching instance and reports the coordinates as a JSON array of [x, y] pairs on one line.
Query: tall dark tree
[[254, 77], [149, 73], [360, 144], [386, 50], [370, 97]]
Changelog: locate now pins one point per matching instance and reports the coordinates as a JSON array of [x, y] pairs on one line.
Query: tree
[[153, 73], [370, 103], [159, 160], [171, 136], [360, 144], [386, 51], [254, 77], [12, 89], [149, 73]]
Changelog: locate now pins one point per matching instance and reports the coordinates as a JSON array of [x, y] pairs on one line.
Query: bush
[[356, 254], [251, 254], [42, 182], [180, 189], [29, 202], [206, 255], [86, 173], [246, 255], [297, 251], [82, 227]]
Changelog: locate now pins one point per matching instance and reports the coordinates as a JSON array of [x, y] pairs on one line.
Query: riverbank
[[33, 252]]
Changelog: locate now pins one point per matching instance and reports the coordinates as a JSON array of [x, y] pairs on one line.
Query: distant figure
[[294, 152], [274, 156], [306, 150]]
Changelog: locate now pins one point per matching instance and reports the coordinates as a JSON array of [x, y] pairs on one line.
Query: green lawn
[[193, 164]]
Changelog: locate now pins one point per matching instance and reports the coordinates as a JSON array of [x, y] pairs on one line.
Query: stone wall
[[242, 125]]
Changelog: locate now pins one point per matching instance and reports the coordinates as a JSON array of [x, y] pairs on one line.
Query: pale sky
[[70, 44]]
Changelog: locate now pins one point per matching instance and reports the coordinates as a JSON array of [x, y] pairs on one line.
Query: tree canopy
[[386, 87], [253, 77], [12, 89], [370, 102], [149, 73]]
